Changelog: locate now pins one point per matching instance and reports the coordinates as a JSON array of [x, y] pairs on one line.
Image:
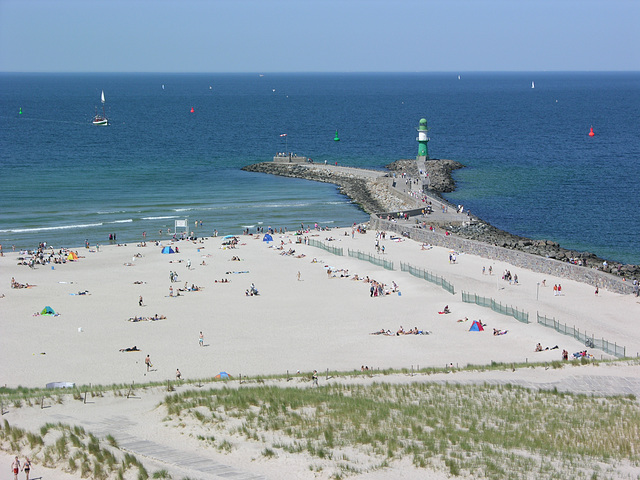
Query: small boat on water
[[533, 85], [101, 119]]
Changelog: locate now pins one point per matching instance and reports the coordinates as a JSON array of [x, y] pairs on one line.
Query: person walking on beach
[[147, 362], [299, 275], [140, 301], [490, 269], [27, 466], [178, 374], [201, 340], [15, 467], [314, 378]]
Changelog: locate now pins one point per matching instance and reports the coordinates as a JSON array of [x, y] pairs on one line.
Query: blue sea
[[531, 168]]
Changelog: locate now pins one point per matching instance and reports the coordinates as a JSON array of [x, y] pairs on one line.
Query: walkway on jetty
[[390, 192], [409, 190]]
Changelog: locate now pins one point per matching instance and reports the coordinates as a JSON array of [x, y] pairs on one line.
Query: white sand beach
[[313, 321]]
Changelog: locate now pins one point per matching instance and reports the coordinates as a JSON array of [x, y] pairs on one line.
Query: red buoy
[[591, 134], [192, 110]]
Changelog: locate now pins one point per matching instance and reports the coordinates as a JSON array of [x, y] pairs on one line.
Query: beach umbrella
[[229, 236], [223, 375], [267, 238]]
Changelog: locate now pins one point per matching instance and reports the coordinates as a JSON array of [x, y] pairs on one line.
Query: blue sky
[[318, 35]]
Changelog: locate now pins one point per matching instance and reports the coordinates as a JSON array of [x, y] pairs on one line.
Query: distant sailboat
[[533, 85], [101, 119]]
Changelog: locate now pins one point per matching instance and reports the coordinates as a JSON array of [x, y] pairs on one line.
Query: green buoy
[[336, 138], [20, 112]]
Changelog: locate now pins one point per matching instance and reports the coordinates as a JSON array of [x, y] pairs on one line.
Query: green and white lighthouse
[[423, 151]]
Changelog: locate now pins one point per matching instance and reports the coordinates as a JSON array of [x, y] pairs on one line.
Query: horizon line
[[314, 72]]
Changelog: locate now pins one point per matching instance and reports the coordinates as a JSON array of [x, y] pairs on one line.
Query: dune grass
[[71, 449], [490, 431], [479, 430]]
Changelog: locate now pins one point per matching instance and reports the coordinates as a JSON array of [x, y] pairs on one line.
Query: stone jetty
[[399, 190], [367, 188]]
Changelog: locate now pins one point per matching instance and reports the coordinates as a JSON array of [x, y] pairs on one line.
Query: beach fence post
[[1, 408], [42, 403], [130, 390], [412, 370], [85, 398], [327, 374]]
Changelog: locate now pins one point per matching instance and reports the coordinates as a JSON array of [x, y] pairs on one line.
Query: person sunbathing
[[538, 348], [446, 309], [130, 349], [497, 332]]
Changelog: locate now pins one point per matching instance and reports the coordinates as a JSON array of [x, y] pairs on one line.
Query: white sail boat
[[533, 85], [101, 119]]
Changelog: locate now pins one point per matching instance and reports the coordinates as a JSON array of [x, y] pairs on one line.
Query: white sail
[[533, 85], [102, 96]]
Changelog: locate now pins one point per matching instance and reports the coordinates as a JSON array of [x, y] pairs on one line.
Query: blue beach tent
[[47, 311], [476, 326], [267, 238], [168, 249]]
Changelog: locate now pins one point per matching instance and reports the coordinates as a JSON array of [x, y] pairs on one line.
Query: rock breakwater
[[361, 185], [482, 231]]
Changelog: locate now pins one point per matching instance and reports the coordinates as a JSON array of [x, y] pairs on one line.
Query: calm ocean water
[[531, 167]]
